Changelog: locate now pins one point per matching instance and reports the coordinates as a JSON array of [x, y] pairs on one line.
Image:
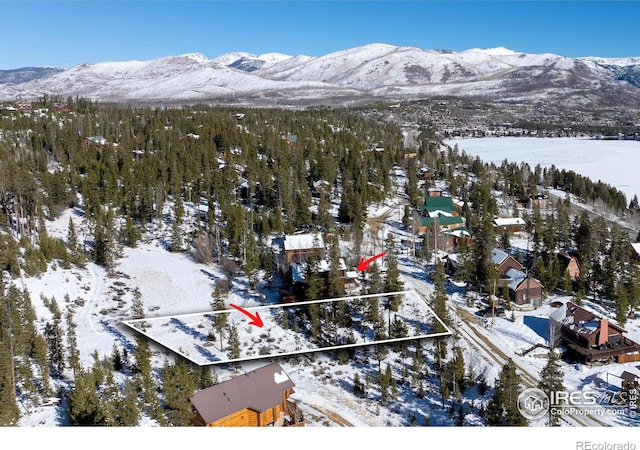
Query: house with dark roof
[[504, 261], [629, 380], [523, 288], [259, 398], [591, 338]]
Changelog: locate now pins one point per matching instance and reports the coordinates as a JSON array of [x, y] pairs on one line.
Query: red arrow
[[255, 320], [364, 264]]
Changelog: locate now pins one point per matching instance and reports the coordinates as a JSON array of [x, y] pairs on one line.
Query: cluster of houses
[[291, 254]]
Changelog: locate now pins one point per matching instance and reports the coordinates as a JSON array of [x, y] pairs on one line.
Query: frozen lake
[[614, 162]]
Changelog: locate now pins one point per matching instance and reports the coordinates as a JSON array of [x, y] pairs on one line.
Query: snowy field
[[283, 332], [614, 162]]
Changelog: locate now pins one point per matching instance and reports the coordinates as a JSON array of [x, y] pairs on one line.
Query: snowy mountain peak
[[198, 57], [499, 51], [249, 62], [274, 57], [227, 59]]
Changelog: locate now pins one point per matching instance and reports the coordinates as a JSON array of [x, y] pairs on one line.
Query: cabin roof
[[305, 241], [257, 390], [509, 221], [498, 256]]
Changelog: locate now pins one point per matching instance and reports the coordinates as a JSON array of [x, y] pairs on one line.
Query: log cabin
[[258, 398]]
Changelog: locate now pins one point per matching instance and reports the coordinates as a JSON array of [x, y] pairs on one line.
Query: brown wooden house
[[509, 224], [504, 261], [292, 249], [298, 247], [569, 263], [591, 338], [629, 380], [259, 398], [523, 288]]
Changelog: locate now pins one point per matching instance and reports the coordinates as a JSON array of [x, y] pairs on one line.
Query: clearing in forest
[[227, 336]]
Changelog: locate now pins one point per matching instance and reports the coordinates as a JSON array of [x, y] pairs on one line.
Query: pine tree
[[137, 305], [503, 405], [456, 371], [175, 245], [505, 242], [84, 400], [406, 217], [438, 300], [178, 384], [551, 381], [392, 282], [144, 380], [375, 280], [234, 343], [54, 337], [220, 319], [334, 278], [72, 343], [9, 411], [75, 250], [128, 414]]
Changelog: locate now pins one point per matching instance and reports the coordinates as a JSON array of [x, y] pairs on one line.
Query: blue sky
[[64, 34]]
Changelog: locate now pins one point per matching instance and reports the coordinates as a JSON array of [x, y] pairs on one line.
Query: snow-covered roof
[[305, 241], [509, 221], [440, 212], [319, 183], [97, 140], [497, 256], [458, 232], [298, 270], [516, 276], [636, 247]]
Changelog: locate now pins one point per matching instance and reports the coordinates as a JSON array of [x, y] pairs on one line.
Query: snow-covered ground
[[173, 284], [614, 162]]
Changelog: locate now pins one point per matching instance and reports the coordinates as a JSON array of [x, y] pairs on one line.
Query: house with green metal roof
[[444, 222], [437, 206]]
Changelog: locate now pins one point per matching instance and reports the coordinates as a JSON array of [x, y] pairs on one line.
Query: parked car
[[489, 311]]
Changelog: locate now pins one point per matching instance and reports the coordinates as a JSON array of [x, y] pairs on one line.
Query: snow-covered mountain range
[[25, 74], [375, 71]]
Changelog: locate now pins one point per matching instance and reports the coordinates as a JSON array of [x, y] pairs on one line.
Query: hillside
[[370, 72]]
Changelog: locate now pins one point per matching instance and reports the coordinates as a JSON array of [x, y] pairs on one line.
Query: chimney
[[603, 337]]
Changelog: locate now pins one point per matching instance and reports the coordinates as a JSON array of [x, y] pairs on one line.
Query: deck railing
[[297, 418]]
